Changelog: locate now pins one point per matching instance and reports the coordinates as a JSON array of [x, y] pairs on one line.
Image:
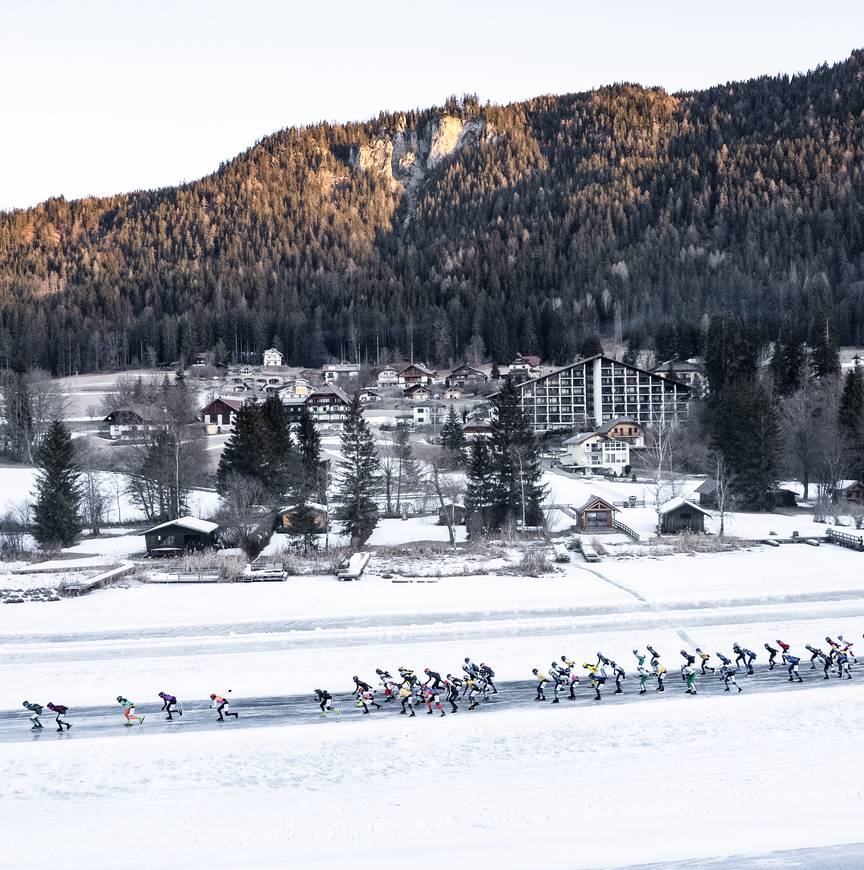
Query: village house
[[690, 372], [221, 414], [429, 414], [418, 393], [466, 376], [288, 517], [585, 394], [624, 429], [183, 535], [415, 374], [681, 515], [594, 452], [477, 430], [294, 405], [272, 358], [525, 366], [388, 378], [368, 395], [452, 393], [125, 424], [328, 404], [340, 372]]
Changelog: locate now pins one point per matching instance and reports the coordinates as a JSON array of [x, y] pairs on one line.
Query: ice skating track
[[291, 710]]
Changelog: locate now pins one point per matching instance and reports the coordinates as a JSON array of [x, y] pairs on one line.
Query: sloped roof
[[618, 421], [192, 523], [594, 499], [333, 390], [677, 503], [581, 437], [419, 367], [234, 404], [707, 487]]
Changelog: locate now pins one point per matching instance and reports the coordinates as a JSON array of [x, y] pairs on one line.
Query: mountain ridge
[[536, 226]]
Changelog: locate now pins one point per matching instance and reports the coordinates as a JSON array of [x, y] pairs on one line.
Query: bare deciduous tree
[[242, 514]]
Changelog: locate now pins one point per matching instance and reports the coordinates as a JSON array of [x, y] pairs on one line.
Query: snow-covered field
[[555, 787], [17, 485]]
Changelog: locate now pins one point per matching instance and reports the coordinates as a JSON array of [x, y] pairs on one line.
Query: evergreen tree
[[850, 418], [279, 469], [358, 477], [244, 449], [519, 491], [57, 513], [480, 489], [309, 448], [787, 366], [312, 487], [453, 439], [407, 472], [826, 353], [743, 429]]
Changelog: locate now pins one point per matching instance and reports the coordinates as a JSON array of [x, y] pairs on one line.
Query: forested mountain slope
[[531, 227]]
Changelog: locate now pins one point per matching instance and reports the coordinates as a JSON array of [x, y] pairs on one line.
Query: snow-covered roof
[[675, 503], [707, 486], [192, 523], [314, 505]]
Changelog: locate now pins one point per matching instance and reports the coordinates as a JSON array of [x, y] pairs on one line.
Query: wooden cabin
[[287, 518], [454, 514], [596, 515], [680, 515], [183, 535]]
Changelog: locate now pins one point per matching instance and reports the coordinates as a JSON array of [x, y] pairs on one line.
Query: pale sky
[[104, 96]]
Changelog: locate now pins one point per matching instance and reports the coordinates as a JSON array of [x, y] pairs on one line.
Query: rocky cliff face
[[405, 156]]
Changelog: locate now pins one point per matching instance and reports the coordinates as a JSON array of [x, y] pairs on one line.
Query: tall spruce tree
[[826, 353], [358, 477], [309, 450], [850, 418], [312, 489], [480, 488], [787, 365], [519, 490], [279, 469], [453, 439], [57, 514], [407, 471], [244, 449]]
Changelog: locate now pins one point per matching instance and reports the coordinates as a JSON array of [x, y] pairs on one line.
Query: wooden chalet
[[596, 515], [466, 376], [416, 374], [221, 413], [183, 535], [287, 518]]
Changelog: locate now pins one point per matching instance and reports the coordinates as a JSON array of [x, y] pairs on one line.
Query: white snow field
[[671, 779], [609, 787]]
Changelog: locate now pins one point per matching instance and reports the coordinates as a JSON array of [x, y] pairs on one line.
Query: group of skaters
[[476, 683], [170, 705], [564, 676], [410, 690]]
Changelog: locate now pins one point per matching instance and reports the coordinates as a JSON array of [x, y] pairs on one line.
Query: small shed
[[454, 513], [851, 491], [707, 492], [287, 518], [681, 515], [183, 535], [596, 515]]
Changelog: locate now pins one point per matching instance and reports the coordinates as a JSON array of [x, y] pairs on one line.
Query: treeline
[[621, 213]]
